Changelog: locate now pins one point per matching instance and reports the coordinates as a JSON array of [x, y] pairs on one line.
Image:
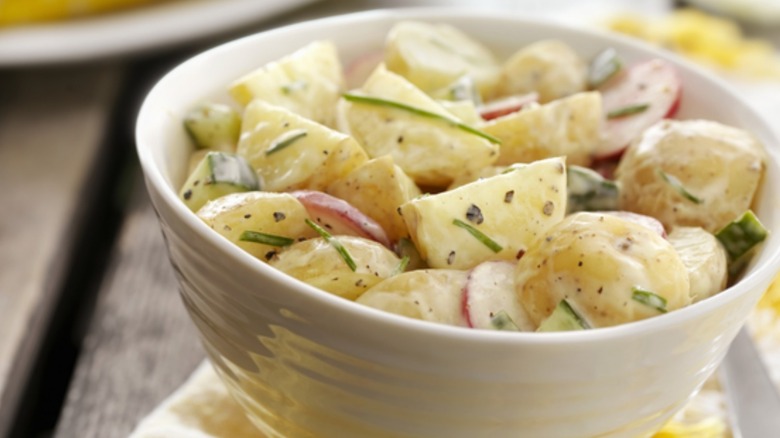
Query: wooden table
[[92, 331]]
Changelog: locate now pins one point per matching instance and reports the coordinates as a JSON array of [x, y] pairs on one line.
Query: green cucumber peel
[[589, 191], [233, 169], [742, 235]]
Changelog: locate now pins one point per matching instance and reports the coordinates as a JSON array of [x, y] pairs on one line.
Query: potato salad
[[548, 191]]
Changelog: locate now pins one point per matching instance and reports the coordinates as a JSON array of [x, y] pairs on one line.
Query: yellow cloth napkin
[[201, 408]]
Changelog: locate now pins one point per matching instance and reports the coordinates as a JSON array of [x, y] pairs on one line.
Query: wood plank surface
[[52, 123], [140, 344]]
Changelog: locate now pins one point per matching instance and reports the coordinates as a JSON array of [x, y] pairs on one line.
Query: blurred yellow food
[[711, 427], [771, 298], [705, 38], [31, 11]]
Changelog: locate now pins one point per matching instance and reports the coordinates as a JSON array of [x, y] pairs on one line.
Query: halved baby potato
[[432, 56], [431, 149], [290, 152], [308, 82], [317, 262], [495, 218], [570, 126], [278, 216]]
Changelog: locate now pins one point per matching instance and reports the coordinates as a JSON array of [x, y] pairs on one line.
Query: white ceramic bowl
[[306, 363]]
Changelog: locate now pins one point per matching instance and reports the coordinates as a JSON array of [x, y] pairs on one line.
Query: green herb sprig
[[378, 101], [334, 242]]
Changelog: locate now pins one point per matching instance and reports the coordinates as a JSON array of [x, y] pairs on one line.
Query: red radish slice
[[360, 69], [507, 105], [339, 217], [490, 289], [648, 221], [655, 83]]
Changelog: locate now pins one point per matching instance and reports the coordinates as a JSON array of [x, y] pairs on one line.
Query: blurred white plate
[[135, 30]]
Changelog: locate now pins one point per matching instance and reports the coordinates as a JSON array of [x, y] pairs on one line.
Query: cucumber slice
[[589, 191], [214, 126], [563, 318], [218, 174], [741, 235]]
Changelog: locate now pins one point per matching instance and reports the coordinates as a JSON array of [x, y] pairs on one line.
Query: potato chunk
[[511, 209], [290, 152], [434, 295], [277, 214], [691, 173], [607, 269], [432, 56], [705, 259], [307, 82], [431, 151], [378, 188], [569, 126], [316, 262], [548, 67]]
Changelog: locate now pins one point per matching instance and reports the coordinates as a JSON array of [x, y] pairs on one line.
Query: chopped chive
[[287, 141], [265, 239], [502, 321], [485, 240], [649, 299], [293, 86], [563, 318], [564, 304], [401, 268], [603, 67], [741, 235], [334, 243], [674, 182], [628, 110], [420, 112]]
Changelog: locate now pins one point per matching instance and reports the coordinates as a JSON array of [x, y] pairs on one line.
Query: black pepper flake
[[187, 195], [269, 255], [520, 254], [601, 289], [508, 196], [451, 258], [474, 214], [399, 211], [400, 139], [279, 216], [548, 208], [197, 181], [247, 216], [580, 263], [359, 282]]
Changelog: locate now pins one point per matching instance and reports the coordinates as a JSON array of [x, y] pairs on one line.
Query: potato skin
[[595, 261], [720, 165]]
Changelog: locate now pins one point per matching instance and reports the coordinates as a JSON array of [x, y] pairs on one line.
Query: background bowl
[[306, 363]]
